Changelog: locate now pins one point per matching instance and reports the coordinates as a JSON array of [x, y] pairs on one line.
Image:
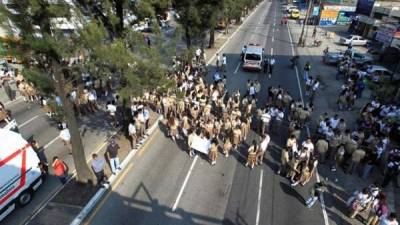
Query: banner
[[328, 17], [315, 11], [345, 18], [201, 144]]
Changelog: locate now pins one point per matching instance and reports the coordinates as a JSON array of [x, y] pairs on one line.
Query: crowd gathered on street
[[195, 109]]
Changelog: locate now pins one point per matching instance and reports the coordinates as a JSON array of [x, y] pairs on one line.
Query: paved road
[[34, 123], [164, 186]]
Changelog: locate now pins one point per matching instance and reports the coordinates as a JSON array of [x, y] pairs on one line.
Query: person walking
[[218, 61], [322, 148], [224, 63], [378, 210], [112, 153], [265, 139], [198, 54], [65, 137], [271, 66], [97, 166], [213, 153], [356, 158], [307, 69], [60, 169], [315, 192], [266, 65], [251, 156]]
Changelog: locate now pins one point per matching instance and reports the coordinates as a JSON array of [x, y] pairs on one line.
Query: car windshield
[[253, 56]]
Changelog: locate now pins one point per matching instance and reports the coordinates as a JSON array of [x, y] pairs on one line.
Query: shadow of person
[[290, 191]]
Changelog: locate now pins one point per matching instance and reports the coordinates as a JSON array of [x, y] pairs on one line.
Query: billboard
[[328, 17]]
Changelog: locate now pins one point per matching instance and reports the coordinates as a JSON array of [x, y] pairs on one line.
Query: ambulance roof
[[254, 49], [10, 142]]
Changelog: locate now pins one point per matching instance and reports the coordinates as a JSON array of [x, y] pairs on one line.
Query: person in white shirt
[[198, 54], [271, 66], [390, 220], [224, 62], [266, 120], [334, 121], [308, 145], [97, 165], [265, 139], [132, 133], [279, 115], [65, 137], [111, 109]]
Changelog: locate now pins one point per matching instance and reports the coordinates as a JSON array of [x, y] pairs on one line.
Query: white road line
[[13, 101], [28, 121], [51, 142], [272, 51], [324, 214], [259, 198], [237, 67], [233, 34], [178, 198]]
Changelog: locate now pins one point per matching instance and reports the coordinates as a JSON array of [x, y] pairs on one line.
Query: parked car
[[353, 40], [295, 14], [376, 69], [359, 58]]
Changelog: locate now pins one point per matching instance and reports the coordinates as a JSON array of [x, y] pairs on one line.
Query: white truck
[[20, 174]]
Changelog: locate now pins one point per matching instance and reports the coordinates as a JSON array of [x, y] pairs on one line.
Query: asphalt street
[[34, 123], [164, 186]]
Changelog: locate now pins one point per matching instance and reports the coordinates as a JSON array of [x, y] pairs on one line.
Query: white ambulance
[[253, 57], [20, 174]]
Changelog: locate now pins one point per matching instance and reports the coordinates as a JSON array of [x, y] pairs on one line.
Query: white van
[[20, 174], [253, 57]]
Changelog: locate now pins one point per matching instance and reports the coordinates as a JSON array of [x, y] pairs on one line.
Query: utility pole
[[302, 39]]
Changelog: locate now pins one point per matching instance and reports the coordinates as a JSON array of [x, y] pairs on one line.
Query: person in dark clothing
[[392, 171], [315, 192]]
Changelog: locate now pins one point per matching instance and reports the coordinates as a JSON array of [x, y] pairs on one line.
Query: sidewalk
[[71, 199], [341, 185]]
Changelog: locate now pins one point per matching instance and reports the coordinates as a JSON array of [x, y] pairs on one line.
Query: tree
[[103, 45], [50, 50]]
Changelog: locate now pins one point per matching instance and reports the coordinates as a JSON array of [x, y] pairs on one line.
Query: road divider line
[[237, 67], [259, 198], [234, 33], [178, 198], [28, 121], [272, 51], [322, 200], [51, 142]]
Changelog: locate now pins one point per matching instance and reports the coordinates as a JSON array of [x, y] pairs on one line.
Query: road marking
[[28, 121], [237, 67], [110, 191], [259, 198], [324, 214], [272, 51], [18, 99], [178, 198], [51, 142], [233, 34]]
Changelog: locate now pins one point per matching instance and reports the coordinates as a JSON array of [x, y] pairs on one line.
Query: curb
[[100, 193]]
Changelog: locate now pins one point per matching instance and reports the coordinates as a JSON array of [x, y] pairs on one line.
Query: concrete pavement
[[34, 123], [227, 193]]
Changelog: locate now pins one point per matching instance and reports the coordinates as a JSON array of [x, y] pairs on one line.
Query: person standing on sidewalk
[[98, 168], [112, 153], [307, 69], [271, 66], [60, 169], [132, 131]]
